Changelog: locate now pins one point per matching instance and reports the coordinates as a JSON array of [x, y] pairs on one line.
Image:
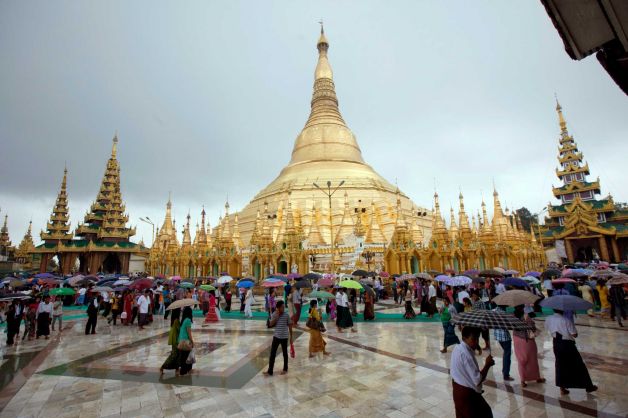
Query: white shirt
[[345, 300], [142, 303], [105, 296], [44, 307], [82, 291], [464, 368], [339, 299], [431, 292], [500, 289], [561, 325], [461, 295]]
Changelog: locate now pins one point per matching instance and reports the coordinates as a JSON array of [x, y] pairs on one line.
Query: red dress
[[128, 308], [211, 314]]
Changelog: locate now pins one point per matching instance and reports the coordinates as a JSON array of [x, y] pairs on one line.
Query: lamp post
[[329, 193], [147, 220]]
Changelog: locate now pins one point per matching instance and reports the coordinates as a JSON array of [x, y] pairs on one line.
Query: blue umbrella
[[515, 282], [246, 284], [566, 303]]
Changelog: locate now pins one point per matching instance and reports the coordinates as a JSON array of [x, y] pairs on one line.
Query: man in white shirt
[[431, 297], [343, 316], [143, 302], [467, 377], [571, 372], [500, 288]]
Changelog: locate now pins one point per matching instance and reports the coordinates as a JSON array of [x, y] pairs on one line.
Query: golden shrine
[[588, 228], [330, 211], [102, 241]]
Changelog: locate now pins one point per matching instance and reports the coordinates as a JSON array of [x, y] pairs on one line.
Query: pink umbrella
[[175, 278], [325, 282], [384, 274], [564, 280], [272, 283]]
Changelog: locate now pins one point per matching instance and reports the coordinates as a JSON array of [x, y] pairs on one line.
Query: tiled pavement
[[385, 369]]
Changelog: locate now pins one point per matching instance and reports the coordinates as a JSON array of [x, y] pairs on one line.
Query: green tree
[[528, 220]]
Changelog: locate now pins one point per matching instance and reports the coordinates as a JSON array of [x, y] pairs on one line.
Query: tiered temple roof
[[58, 227]]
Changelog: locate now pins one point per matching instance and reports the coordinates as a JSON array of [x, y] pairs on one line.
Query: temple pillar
[[616, 256], [604, 249], [569, 250]]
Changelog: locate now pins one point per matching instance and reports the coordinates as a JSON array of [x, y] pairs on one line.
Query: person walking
[[172, 361], [92, 315], [502, 336], [228, 296], [248, 302], [317, 343], [116, 308], [283, 331], [57, 313], [602, 291], [344, 319], [526, 350], [127, 309], [296, 301], [617, 297], [571, 372], [587, 294], [369, 303], [448, 311], [243, 294], [478, 305], [185, 342], [143, 304], [467, 377], [410, 314], [44, 316]]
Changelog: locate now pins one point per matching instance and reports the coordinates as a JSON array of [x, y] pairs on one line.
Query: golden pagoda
[[102, 242], [588, 228], [24, 251], [6, 249]]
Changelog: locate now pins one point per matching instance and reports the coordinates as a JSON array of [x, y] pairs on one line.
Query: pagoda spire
[[463, 220], [26, 247], [187, 238], [58, 227], [237, 240], [453, 228], [5, 242], [374, 234], [346, 224], [439, 230], [314, 236]]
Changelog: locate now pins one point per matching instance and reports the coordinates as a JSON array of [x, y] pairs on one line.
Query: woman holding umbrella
[[186, 341], [410, 314], [526, 350], [172, 362], [317, 343], [450, 330]]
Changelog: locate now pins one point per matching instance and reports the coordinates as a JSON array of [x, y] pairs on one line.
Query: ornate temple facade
[[102, 242], [330, 211], [589, 228]]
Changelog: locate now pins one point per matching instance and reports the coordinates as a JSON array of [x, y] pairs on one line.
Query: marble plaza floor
[[386, 369]]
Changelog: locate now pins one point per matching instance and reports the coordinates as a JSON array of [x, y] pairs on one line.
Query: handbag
[[185, 345], [191, 357], [124, 315], [321, 326]]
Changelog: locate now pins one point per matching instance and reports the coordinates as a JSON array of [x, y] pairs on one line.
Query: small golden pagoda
[[588, 228], [24, 251], [102, 242], [6, 248]]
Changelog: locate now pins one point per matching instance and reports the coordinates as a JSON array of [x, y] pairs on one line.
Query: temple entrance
[[111, 264], [414, 264], [585, 250], [257, 270], [282, 267]]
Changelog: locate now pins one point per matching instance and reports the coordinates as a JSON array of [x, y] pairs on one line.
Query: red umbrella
[[325, 282], [141, 284]]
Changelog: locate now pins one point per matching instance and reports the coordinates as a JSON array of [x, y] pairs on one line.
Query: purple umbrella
[[44, 276], [294, 276], [533, 274], [515, 282]]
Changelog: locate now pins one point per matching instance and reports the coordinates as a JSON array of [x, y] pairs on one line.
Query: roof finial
[[115, 145], [320, 22]]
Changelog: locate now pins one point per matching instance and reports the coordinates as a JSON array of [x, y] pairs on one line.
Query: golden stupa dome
[[327, 151]]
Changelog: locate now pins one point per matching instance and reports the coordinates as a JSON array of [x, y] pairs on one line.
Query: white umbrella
[[225, 279], [121, 282], [181, 303]]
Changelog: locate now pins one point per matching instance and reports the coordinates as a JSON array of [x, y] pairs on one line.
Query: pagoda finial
[[114, 146], [561, 118]]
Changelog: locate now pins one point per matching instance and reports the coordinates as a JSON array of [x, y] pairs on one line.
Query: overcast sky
[[208, 97]]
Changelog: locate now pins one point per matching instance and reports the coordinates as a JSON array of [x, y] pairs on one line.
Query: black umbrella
[[551, 274], [477, 280], [491, 319], [490, 273], [312, 276], [361, 273], [303, 284], [372, 274]]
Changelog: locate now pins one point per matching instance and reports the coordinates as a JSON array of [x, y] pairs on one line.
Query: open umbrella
[[324, 282], [491, 319], [384, 274], [121, 282], [245, 284], [120, 288], [531, 280], [292, 276], [515, 298], [471, 272], [44, 275], [250, 279], [478, 280], [515, 282], [536, 274], [566, 303], [141, 284], [458, 281], [312, 276], [63, 291], [225, 279], [276, 277], [350, 284], [175, 278], [272, 283], [564, 280], [321, 294], [15, 283], [181, 303], [551, 274], [442, 278], [102, 289], [207, 287], [188, 280], [575, 273], [622, 266], [303, 284], [186, 285], [619, 278], [360, 273], [603, 274], [499, 269], [491, 273], [423, 276], [10, 296], [511, 273], [367, 281]]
